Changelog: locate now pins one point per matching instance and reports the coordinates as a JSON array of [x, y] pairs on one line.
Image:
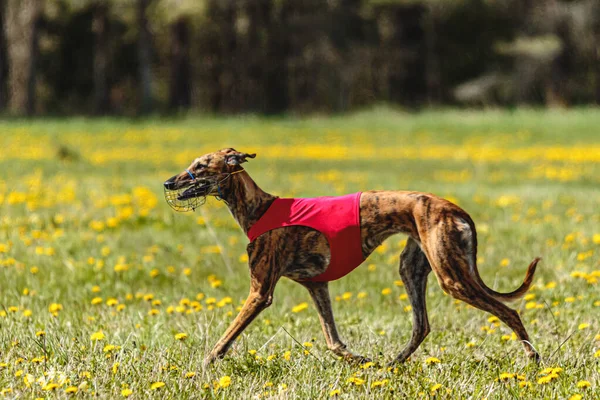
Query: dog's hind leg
[[414, 269], [473, 295], [319, 291], [454, 270]]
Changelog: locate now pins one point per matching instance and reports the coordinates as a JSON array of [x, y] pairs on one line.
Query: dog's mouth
[[196, 189], [187, 196]]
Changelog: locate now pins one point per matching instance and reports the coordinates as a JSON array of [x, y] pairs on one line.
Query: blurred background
[[134, 57]]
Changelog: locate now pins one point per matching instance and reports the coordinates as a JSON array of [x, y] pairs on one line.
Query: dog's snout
[[170, 183]]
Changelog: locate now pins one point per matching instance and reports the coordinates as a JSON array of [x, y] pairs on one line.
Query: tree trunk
[[34, 55], [556, 87], [22, 27], [101, 58], [144, 59], [3, 58], [432, 59], [180, 85], [596, 58]]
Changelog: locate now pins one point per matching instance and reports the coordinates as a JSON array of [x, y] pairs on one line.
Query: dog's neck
[[246, 201]]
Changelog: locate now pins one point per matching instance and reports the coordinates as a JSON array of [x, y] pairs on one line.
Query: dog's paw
[[535, 357], [356, 359], [210, 359]]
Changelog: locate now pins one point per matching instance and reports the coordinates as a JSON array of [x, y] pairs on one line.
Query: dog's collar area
[[219, 195]]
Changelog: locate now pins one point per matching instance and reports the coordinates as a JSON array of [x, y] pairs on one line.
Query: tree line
[[133, 57]]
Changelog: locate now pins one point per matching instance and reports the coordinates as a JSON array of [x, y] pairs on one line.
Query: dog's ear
[[237, 158]]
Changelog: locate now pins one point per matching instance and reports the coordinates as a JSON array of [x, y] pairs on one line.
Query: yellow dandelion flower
[[97, 300], [335, 392], [355, 380], [71, 389], [432, 360], [96, 336], [300, 307], [361, 295], [157, 385], [40, 333], [112, 302], [55, 308], [126, 392], [583, 384], [506, 376], [181, 336], [50, 387], [115, 368], [435, 388], [583, 326], [597, 354], [386, 291], [190, 374], [381, 383], [530, 305], [153, 311], [224, 381], [109, 347]]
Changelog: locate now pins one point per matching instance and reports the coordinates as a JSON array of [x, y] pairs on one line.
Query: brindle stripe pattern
[[442, 239]]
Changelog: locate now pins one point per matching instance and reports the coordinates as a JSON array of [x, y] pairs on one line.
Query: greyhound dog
[[441, 237]]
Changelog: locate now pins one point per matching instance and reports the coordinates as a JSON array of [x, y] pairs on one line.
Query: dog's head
[[205, 175]]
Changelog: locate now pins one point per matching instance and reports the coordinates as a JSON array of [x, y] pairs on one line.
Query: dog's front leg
[[263, 280], [319, 291]]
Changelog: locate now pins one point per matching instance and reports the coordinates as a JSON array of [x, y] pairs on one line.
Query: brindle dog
[[442, 238]]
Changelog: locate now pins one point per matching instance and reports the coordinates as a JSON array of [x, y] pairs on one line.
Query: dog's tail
[[514, 295]]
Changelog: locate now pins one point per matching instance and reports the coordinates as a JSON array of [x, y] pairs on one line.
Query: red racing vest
[[338, 218]]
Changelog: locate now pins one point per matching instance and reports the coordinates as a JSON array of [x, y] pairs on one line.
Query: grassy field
[[105, 291]]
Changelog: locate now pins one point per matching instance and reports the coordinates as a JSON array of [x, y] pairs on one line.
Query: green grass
[[82, 217]]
